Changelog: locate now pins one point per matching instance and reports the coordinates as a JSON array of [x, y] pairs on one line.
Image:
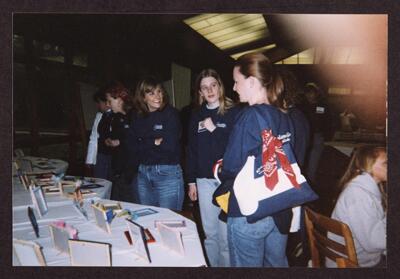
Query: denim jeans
[[256, 245], [102, 169], [216, 242], [161, 185]]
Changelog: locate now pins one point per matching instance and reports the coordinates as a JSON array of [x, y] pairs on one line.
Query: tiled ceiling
[[232, 31]]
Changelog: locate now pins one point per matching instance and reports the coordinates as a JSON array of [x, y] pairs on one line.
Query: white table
[[62, 208], [121, 251], [21, 197], [41, 164]]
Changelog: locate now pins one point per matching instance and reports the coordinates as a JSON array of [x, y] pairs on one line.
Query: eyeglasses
[[206, 89]]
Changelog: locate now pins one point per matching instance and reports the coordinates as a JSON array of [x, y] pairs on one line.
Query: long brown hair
[[225, 103], [259, 66], [362, 160], [144, 86]]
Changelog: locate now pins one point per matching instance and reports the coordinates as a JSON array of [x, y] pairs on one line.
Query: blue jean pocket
[[169, 170]]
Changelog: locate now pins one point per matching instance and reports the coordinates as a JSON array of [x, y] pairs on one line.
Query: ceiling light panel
[[229, 30], [261, 49]]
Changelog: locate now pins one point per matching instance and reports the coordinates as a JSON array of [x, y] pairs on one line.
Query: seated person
[[362, 205]]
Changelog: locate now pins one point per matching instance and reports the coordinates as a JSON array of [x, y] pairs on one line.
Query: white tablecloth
[[43, 164], [21, 197], [62, 208], [121, 251]]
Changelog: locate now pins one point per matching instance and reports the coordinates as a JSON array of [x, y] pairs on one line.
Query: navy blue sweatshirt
[[120, 125], [245, 140], [205, 148], [145, 129]]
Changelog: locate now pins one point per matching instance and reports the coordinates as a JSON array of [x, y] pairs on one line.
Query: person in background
[[348, 120], [156, 132], [209, 130], [263, 243], [318, 115], [290, 94], [102, 106], [362, 205], [102, 168], [300, 143], [121, 104]]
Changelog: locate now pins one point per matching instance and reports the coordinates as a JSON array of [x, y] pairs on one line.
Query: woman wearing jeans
[[263, 243], [155, 132], [210, 126]]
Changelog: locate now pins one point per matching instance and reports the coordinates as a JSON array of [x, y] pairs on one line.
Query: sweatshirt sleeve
[[191, 156]]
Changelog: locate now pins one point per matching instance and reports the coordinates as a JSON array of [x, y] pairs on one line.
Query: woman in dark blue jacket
[[121, 104], [209, 129], [262, 243], [156, 132]]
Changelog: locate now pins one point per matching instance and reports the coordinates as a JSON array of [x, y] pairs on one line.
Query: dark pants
[[124, 188], [102, 169]]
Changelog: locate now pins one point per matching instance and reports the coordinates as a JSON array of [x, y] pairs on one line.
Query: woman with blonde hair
[[362, 205], [209, 130]]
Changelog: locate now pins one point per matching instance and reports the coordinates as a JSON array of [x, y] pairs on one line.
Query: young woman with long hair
[[263, 243], [156, 132], [209, 130], [362, 204]]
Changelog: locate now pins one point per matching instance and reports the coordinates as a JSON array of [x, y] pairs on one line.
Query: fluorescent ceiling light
[[261, 49], [229, 30], [332, 55]]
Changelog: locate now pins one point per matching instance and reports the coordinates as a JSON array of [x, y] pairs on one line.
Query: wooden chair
[[345, 263], [317, 227]]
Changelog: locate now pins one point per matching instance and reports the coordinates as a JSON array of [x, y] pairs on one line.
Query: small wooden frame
[[24, 180], [38, 200], [171, 238], [89, 253], [138, 239], [28, 253], [24, 165], [51, 190], [67, 187], [100, 216], [60, 236], [143, 212], [173, 224]]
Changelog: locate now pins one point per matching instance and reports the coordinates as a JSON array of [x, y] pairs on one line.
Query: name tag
[[320, 110], [126, 126], [201, 127], [221, 125], [157, 127]]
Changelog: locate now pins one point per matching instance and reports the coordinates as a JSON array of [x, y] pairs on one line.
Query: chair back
[[321, 246]]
